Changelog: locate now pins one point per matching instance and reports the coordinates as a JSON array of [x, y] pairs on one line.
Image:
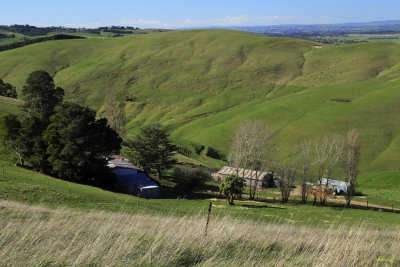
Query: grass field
[[37, 236]]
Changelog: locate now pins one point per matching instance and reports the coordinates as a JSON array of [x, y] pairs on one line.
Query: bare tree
[[115, 109], [306, 160], [320, 148], [287, 177], [335, 147], [248, 150], [353, 158], [328, 151]]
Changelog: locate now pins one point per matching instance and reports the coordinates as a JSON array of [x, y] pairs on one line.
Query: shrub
[[232, 185], [188, 179]]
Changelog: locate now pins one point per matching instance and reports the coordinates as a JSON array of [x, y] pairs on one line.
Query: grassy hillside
[[201, 83], [10, 105]]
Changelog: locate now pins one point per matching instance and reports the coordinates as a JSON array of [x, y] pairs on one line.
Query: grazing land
[[201, 83], [22, 185], [46, 221]]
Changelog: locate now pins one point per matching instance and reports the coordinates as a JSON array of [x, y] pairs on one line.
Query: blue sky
[[194, 13]]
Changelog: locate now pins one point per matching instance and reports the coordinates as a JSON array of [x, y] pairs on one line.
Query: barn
[[133, 181], [264, 179]]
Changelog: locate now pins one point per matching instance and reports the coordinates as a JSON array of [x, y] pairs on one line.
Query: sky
[[194, 13]]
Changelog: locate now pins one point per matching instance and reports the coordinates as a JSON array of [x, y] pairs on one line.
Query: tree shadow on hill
[[362, 207]]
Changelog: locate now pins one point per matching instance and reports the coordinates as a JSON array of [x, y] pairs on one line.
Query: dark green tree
[[41, 95], [231, 186], [7, 90], [33, 147], [77, 144], [10, 129], [151, 149]]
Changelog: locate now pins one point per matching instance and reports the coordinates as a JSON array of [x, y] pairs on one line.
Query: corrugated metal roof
[[248, 174], [133, 177], [120, 162], [340, 185]]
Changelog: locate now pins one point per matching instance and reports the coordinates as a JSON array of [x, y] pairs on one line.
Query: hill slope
[[201, 83]]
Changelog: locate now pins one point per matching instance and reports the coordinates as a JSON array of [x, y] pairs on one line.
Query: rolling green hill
[[201, 83]]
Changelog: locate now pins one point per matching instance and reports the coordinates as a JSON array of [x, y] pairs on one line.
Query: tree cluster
[[3, 36], [250, 149], [7, 90], [32, 30], [59, 138], [189, 179], [325, 155]]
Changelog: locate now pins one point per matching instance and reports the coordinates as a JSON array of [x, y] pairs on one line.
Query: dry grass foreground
[[34, 235]]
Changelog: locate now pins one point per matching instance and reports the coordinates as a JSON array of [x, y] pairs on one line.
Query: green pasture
[[30, 187]]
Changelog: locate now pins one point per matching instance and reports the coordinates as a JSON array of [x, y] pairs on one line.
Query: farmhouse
[[264, 179], [131, 180]]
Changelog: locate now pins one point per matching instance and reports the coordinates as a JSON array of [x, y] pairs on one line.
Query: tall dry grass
[[33, 235]]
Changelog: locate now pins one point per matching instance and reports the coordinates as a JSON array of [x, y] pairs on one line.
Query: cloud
[[231, 21], [139, 22], [242, 20], [84, 25], [224, 21]]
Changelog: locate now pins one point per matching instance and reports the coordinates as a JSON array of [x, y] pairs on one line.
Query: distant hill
[[201, 83], [375, 27], [342, 33]]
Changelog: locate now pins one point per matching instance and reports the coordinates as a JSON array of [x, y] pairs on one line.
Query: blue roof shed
[[136, 182]]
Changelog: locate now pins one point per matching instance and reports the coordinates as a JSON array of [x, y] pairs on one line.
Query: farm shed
[[339, 186], [132, 180], [264, 179]]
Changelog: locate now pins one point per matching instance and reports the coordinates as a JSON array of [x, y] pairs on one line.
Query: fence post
[[208, 218]]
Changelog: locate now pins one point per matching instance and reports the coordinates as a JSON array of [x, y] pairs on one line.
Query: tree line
[[32, 30], [59, 138], [251, 148], [39, 40], [4, 36]]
